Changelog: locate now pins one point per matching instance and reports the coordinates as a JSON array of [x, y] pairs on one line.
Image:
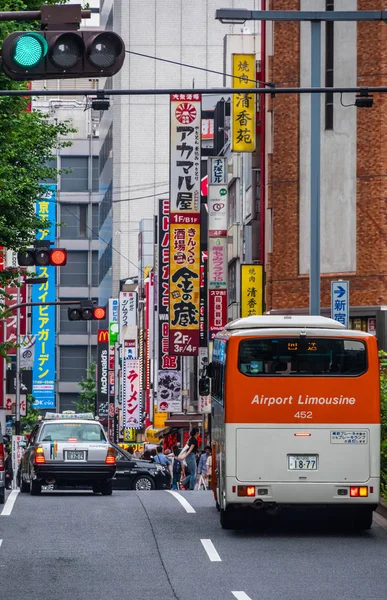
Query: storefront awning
[[188, 420]]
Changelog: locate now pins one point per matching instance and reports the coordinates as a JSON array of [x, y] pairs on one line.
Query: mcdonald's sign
[[103, 336], [102, 372]]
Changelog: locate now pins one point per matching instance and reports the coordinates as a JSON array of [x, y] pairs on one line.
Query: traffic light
[[42, 256], [62, 54], [86, 311]]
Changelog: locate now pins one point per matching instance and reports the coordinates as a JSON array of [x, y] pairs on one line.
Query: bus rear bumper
[[267, 495]]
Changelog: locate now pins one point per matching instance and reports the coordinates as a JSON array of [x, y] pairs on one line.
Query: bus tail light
[[246, 490], [39, 456], [111, 456], [358, 491]]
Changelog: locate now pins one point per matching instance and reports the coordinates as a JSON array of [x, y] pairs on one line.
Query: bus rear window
[[302, 356]]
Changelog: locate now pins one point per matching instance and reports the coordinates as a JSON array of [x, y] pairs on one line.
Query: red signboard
[[217, 311], [10, 327]]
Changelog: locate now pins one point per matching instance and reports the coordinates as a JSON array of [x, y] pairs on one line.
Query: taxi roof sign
[[69, 415]]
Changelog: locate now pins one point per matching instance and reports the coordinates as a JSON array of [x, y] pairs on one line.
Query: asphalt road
[[146, 546]]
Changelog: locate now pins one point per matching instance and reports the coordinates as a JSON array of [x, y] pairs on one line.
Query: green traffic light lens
[[29, 50]]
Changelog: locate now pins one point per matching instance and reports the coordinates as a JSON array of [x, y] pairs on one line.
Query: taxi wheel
[[97, 489], [143, 483], [35, 487], [107, 488], [2, 495]]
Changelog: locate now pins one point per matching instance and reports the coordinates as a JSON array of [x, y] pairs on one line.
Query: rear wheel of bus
[[362, 519]]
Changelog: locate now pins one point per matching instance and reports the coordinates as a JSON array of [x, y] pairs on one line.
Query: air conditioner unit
[[234, 242]]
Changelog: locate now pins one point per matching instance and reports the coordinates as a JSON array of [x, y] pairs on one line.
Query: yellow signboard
[[159, 418], [129, 434], [251, 290], [184, 285], [243, 105]]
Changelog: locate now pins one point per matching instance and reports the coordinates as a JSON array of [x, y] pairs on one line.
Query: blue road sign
[[340, 302]]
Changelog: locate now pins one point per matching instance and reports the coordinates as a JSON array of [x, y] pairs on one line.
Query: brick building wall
[[286, 288]]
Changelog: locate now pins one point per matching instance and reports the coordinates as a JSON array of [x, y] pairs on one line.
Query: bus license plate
[[75, 455], [302, 462]]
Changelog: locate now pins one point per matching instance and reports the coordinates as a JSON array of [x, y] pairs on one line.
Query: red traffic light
[[42, 257], [99, 313], [58, 257]]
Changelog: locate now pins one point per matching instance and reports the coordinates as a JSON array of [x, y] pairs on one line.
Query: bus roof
[[283, 321]]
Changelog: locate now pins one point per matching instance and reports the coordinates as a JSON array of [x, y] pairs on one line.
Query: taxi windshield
[[80, 432]]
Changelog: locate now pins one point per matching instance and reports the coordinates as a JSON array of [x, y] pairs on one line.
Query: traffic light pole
[[9, 310], [33, 15]]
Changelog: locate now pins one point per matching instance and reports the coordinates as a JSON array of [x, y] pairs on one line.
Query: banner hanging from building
[[185, 150], [243, 113], [166, 361], [251, 290], [131, 406], [217, 263], [169, 398], [184, 285], [102, 373], [217, 197], [44, 317], [128, 309], [217, 310]]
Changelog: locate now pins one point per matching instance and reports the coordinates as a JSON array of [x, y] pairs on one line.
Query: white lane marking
[[241, 595], [1, 541], [380, 520], [211, 551], [183, 501], [8, 506]]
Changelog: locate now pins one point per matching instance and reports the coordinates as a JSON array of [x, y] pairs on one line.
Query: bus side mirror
[[204, 386]]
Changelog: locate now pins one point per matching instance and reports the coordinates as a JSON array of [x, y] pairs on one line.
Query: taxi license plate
[[75, 455], [302, 462]]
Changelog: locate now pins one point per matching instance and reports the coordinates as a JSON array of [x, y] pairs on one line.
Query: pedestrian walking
[[160, 457], [190, 458], [203, 469], [8, 469], [177, 468]]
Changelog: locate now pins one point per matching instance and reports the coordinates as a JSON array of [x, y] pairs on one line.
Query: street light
[[233, 16]]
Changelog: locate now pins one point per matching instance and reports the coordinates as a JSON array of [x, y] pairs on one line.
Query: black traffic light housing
[[42, 255], [86, 311], [64, 54]]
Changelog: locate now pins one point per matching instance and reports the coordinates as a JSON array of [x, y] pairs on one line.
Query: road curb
[[382, 508]]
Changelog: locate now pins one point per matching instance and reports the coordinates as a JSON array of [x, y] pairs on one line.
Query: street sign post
[[340, 301]]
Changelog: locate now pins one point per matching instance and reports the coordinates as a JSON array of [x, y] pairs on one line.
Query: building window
[[329, 66], [94, 268], [106, 149], [77, 179], [106, 205], [74, 273], [70, 327], [95, 184], [73, 363], [105, 262], [67, 401], [95, 221]]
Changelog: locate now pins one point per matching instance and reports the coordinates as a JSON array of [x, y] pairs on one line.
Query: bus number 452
[[303, 414]]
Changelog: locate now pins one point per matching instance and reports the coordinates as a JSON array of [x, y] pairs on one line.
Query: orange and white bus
[[296, 417]]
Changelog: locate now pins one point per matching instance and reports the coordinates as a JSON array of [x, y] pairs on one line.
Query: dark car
[[136, 474]]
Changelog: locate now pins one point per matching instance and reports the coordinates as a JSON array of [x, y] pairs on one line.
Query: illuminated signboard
[[243, 105], [44, 317]]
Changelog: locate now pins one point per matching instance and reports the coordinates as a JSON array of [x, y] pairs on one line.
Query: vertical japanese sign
[[251, 290], [131, 394], [217, 263], [340, 302], [128, 309], [217, 197], [217, 309], [113, 320], [243, 104], [204, 402], [166, 361], [203, 298], [184, 225], [44, 317], [102, 373], [184, 288]]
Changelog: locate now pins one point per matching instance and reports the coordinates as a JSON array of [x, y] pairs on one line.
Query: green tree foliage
[[27, 140], [31, 416], [88, 394]]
